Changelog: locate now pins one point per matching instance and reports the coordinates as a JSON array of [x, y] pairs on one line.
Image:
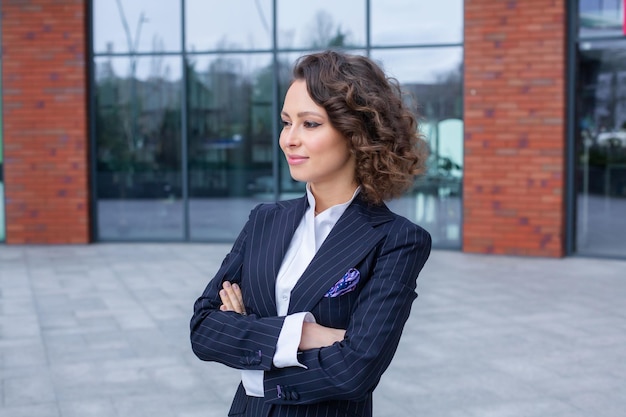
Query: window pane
[[138, 148], [435, 201], [228, 25], [601, 18], [231, 141], [321, 24], [136, 26], [601, 173], [406, 22]]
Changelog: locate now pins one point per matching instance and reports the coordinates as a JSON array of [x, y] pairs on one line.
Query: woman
[[311, 301]]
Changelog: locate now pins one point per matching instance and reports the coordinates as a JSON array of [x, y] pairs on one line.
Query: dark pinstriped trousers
[[244, 406]]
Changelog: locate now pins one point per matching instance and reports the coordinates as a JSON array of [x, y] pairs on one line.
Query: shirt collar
[[331, 213]]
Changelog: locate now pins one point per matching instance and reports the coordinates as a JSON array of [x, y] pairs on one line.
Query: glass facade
[[601, 18], [187, 95], [601, 129], [138, 133]]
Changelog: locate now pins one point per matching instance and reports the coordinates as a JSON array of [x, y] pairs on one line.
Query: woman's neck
[[326, 197]]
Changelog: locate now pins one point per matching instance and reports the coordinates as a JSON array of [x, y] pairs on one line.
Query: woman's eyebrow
[[303, 113], [309, 113]]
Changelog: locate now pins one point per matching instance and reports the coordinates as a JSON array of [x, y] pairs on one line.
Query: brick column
[[515, 54], [44, 97]]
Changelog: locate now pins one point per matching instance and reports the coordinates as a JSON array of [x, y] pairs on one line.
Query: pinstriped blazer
[[388, 251]]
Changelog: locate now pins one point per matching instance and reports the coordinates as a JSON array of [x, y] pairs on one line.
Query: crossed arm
[[313, 335], [347, 370]]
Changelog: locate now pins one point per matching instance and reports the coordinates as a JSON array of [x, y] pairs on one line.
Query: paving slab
[[102, 330]]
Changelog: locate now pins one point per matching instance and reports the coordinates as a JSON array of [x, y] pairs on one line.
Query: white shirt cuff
[[253, 382], [289, 339]]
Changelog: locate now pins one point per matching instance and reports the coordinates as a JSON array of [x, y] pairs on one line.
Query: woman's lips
[[296, 159]]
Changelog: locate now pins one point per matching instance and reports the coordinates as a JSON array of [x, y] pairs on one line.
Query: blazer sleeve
[[241, 342], [351, 369]]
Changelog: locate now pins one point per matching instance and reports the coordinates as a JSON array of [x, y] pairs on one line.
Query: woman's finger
[[232, 298], [239, 297], [236, 299], [226, 304], [237, 291]]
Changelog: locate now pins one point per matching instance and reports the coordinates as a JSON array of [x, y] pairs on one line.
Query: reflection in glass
[[321, 24], [128, 26], [230, 119], [435, 201], [228, 25], [601, 171], [138, 130], [230, 140], [401, 22], [601, 18]]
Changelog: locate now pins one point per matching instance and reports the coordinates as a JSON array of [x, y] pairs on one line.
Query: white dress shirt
[[306, 240]]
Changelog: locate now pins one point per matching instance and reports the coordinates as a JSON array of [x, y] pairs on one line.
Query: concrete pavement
[[102, 330]]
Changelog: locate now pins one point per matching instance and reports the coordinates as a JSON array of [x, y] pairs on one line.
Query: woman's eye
[[284, 123], [311, 124]]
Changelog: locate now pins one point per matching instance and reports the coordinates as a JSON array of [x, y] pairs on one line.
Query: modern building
[[158, 120]]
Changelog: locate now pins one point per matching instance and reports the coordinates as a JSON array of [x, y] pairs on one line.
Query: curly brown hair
[[366, 106]]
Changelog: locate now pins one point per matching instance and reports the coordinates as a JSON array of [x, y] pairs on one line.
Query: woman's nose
[[290, 137]]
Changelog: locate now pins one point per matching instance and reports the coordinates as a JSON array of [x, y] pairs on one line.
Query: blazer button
[[282, 394]]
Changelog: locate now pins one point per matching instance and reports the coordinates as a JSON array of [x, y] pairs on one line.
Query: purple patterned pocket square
[[346, 284]]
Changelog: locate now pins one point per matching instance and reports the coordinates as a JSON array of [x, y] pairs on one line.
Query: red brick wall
[[45, 121], [514, 127]]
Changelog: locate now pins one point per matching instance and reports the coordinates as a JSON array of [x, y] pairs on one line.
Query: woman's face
[[316, 152]]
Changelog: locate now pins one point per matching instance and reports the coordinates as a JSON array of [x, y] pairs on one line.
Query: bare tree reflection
[[324, 33]]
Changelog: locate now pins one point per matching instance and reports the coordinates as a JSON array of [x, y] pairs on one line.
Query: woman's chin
[[297, 176]]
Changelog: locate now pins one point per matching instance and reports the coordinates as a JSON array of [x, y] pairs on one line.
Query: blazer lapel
[[352, 238], [270, 238]]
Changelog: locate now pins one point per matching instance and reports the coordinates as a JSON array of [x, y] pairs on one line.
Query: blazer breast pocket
[[336, 311]]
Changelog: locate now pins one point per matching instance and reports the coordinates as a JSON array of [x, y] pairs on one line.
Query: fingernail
[[235, 286], [226, 284]]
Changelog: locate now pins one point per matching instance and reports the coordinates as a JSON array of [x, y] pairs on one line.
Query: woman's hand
[[317, 336], [313, 335], [231, 297]]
